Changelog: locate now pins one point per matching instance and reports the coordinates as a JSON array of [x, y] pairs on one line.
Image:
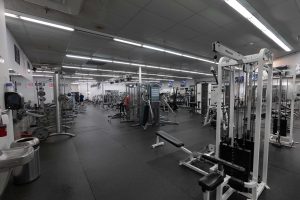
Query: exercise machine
[[240, 144], [283, 106]]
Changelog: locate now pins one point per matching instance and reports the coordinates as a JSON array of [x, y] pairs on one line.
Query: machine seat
[[170, 138], [211, 181]]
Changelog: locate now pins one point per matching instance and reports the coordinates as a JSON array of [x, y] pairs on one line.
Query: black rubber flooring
[[113, 161]]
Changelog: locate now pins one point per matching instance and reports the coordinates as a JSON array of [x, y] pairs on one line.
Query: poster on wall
[[170, 84], [17, 54], [183, 83]]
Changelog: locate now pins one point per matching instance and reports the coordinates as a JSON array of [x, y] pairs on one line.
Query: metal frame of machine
[[250, 65], [287, 140]]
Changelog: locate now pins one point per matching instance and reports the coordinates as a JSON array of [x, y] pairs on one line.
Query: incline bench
[[192, 157]]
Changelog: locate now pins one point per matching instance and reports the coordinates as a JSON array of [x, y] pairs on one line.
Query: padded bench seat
[[170, 138], [211, 181]]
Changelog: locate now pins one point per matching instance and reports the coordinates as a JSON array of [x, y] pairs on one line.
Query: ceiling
[[188, 26]]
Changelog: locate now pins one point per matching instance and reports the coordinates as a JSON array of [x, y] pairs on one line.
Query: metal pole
[[279, 103], [258, 123], [58, 111], [291, 139], [219, 111], [140, 74], [267, 125], [231, 106], [56, 92]]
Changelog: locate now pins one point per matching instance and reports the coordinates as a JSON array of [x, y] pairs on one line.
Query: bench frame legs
[[158, 143], [188, 161]]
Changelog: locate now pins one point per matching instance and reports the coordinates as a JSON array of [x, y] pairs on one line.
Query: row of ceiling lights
[[80, 76], [241, 6], [123, 72], [135, 64], [68, 28]]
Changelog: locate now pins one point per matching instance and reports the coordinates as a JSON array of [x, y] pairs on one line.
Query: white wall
[[4, 141], [176, 84], [88, 91], [18, 68], [28, 90], [291, 60]]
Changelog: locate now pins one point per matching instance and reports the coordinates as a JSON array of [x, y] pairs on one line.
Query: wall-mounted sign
[[239, 79], [183, 83], [170, 84]]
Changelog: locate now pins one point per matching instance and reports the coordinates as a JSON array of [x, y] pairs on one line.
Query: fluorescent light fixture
[[153, 48], [133, 64], [127, 42], [105, 70], [198, 58], [155, 79], [241, 7], [78, 57], [173, 52], [74, 83], [137, 64], [121, 62], [164, 50], [41, 75], [72, 77], [89, 69], [101, 60], [70, 67], [11, 15], [100, 75], [47, 23], [152, 66], [48, 72]]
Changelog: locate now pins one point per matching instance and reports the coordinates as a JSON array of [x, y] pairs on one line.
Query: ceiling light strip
[[126, 72], [247, 11], [137, 64], [162, 50], [127, 42], [29, 19]]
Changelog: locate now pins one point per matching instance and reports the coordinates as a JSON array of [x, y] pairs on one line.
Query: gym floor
[[115, 161]]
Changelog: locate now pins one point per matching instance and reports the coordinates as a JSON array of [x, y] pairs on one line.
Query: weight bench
[[192, 156]]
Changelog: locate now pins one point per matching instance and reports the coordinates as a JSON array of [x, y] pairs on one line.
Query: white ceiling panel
[[169, 9], [200, 24], [193, 5], [146, 18], [186, 25]]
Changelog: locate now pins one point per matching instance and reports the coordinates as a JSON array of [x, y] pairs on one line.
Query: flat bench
[[176, 142], [188, 162]]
